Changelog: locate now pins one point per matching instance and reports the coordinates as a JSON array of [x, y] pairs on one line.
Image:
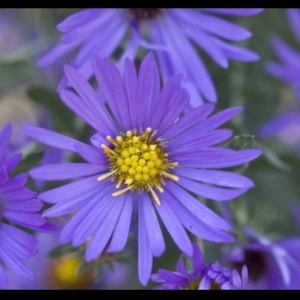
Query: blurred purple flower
[[170, 32], [60, 273], [137, 150], [18, 206], [271, 265], [286, 124], [203, 277]]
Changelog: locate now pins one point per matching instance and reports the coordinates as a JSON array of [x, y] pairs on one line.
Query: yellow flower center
[[215, 286], [63, 273], [139, 162], [193, 285]]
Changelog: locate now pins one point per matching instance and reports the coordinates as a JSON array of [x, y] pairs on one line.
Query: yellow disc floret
[[139, 162]]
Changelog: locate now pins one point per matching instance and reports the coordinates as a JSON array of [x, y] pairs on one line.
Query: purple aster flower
[[286, 124], [288, 69], [203, 277], [17, 206], [143, 153], [271, 264], [61, 272], [170, 32]]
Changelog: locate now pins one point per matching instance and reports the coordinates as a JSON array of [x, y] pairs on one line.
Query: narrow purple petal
[[197, 260], [220, 178], [195, 206], [5, 135], [102, 234], [24, 218], [173, 278], [50, 138], [155, 236], [121, 231], [235, 11], [70, 191], [294, 20], [32, 205], [13, 183], [174, 227], [189, 120], [3, 278], [66, 171], [145, 258], [12, 161], [210, 192]]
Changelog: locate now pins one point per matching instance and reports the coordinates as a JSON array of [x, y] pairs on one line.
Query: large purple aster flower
[[171, 32], [203, 277], [143, 153], [288, 70], [17, 206], [271, 264]]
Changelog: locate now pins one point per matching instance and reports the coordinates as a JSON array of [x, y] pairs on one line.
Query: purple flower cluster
[[288, 70], [170, 33], [18, 206], [203, 277], [271, 265]]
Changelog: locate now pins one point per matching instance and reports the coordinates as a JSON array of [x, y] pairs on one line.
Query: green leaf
[[62, 117], [272, 158], [243, 141], [15, 73], [62, 250], [28, 162], [97, 272], [84, 266]]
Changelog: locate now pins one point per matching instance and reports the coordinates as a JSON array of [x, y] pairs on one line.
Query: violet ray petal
[[155, 236], [173, 278], [70, 191], [103, 232], [174, 226], [65, 171], [145, 258], [120, 234], [220, 178], [210, 192], [5, 135], [189, 120], [196, 207]]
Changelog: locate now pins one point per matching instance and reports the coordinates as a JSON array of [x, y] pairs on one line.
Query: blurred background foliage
[[27, 95]]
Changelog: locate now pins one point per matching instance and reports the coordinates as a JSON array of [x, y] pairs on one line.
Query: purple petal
[[148, 88], [5, 135], [197, 260], [121, 231], [12, 161], [144, 251], [212, 158], [173, 278], [196, 207], [210, 192], [3, 278], [71, 190], [102, 234], [65, 171], [93, 220], [220, 178], [155, 236], [32, 205], [294, 20], [78, 221], [189, 120], [235, 11], [213, 25], [174, 227], [24, 218], [50, 138]]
